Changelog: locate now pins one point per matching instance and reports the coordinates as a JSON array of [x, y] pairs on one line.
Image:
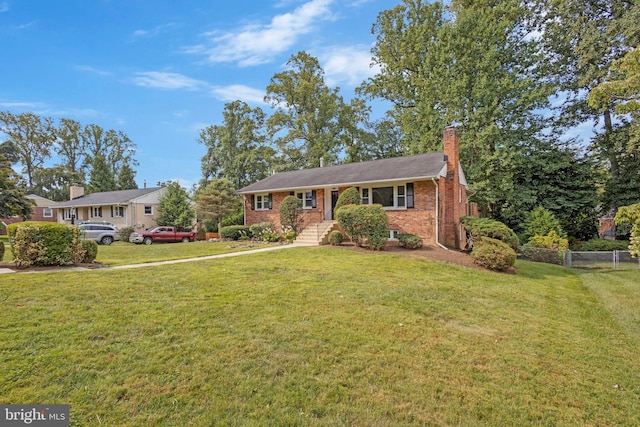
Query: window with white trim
[[308, 199], [68, 213], [117, 211], [47, 212], [263, 202], [390, 197], [96, 212]]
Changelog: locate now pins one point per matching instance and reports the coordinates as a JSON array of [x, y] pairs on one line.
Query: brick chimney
[[75, 191], [455, 197]]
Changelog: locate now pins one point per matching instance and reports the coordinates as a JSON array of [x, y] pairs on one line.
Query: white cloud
[[4, 7], [241, 92], [256, 43], [172, 81], [94, 70], [154, 31], [347, 65]]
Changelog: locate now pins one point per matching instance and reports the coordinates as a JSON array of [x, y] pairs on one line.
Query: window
[[47, 212], [308, 199], [96, 212], [261, 202], [117, 211], [69, 213], [148, 210], [392, 197]]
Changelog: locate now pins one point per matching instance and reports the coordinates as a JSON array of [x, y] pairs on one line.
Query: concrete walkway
[[153, 264]]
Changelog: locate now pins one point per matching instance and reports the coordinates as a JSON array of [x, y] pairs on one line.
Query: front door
[[334, 199]]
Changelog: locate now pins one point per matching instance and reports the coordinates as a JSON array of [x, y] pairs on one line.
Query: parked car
[[104, 234], [163, 235]]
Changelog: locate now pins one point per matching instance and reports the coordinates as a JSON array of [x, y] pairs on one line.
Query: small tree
[[365, 224], [175, 208], [217, 200], [290, 214], [631, 215], [540, 222]]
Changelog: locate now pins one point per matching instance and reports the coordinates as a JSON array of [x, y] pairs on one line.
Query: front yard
[[320, 336]]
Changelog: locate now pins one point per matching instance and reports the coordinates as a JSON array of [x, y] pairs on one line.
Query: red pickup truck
[[162, 234]]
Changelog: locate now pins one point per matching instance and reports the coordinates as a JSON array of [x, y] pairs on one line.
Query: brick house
[[42, 211], [423, 194]]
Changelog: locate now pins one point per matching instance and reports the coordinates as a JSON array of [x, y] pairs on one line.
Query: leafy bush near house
[[257, 231], [290, 236], [291, 214], [365, 224], [235, 232], [409, 241], [548, 256], [601, 245], [550, 241], [45, 243], [493, 254], [1, 251], [336, 238], [90, 250], [485, 227], [125, 233], [270, 237], [350, 196]]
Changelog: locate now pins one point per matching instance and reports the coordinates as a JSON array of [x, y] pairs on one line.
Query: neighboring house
[[423, 194], [125, 208], [42, 211]]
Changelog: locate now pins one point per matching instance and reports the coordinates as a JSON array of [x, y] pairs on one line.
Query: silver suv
[[104, 234]]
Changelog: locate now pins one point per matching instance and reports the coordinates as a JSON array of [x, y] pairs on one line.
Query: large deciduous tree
[[32, 137], [310, 120], [175, 208], [108, 153], [470, 64], [238, 149]]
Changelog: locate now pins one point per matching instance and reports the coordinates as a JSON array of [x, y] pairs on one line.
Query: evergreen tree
[[101, 176], [175, 208], [13, 201], [126, 178], [217, 200]]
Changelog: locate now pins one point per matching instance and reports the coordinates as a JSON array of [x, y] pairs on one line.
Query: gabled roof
[[418, 167], [41, 201], [107, 198]]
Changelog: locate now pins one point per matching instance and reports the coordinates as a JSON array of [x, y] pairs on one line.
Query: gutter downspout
[[437, 216]]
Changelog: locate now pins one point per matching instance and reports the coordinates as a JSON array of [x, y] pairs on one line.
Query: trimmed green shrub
[[548, 256], [270, 237], [45, 243], [290, 236], [291, 214], [540, 222], [485, 227], [409, 241], [257, 231], [90, 248], [235, 232], [602, 245], [493, 254], [550, 241], [1, 251], [336, 238], [236, 218], [365, 224], [125, 233], [350, 196]]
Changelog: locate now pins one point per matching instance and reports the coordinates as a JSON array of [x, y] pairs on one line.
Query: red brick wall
[[309, 216]]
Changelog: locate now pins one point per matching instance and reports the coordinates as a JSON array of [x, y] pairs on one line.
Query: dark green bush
[[409, 241], [336, 238], [45, 243], [235, 232], [90, 250], [125, 233], [493, 254], [365, 224], [350, 196], [291, 214], [257, 231], [236, 218], [549, 256], [602, 245], [1, 251], [485, 227]]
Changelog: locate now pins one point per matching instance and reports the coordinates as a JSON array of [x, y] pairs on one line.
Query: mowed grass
[[323, 336]]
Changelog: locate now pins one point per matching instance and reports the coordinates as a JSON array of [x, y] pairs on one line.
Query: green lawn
[[322, 336]]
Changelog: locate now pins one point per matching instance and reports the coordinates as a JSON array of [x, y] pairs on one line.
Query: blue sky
[[162, 70]]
